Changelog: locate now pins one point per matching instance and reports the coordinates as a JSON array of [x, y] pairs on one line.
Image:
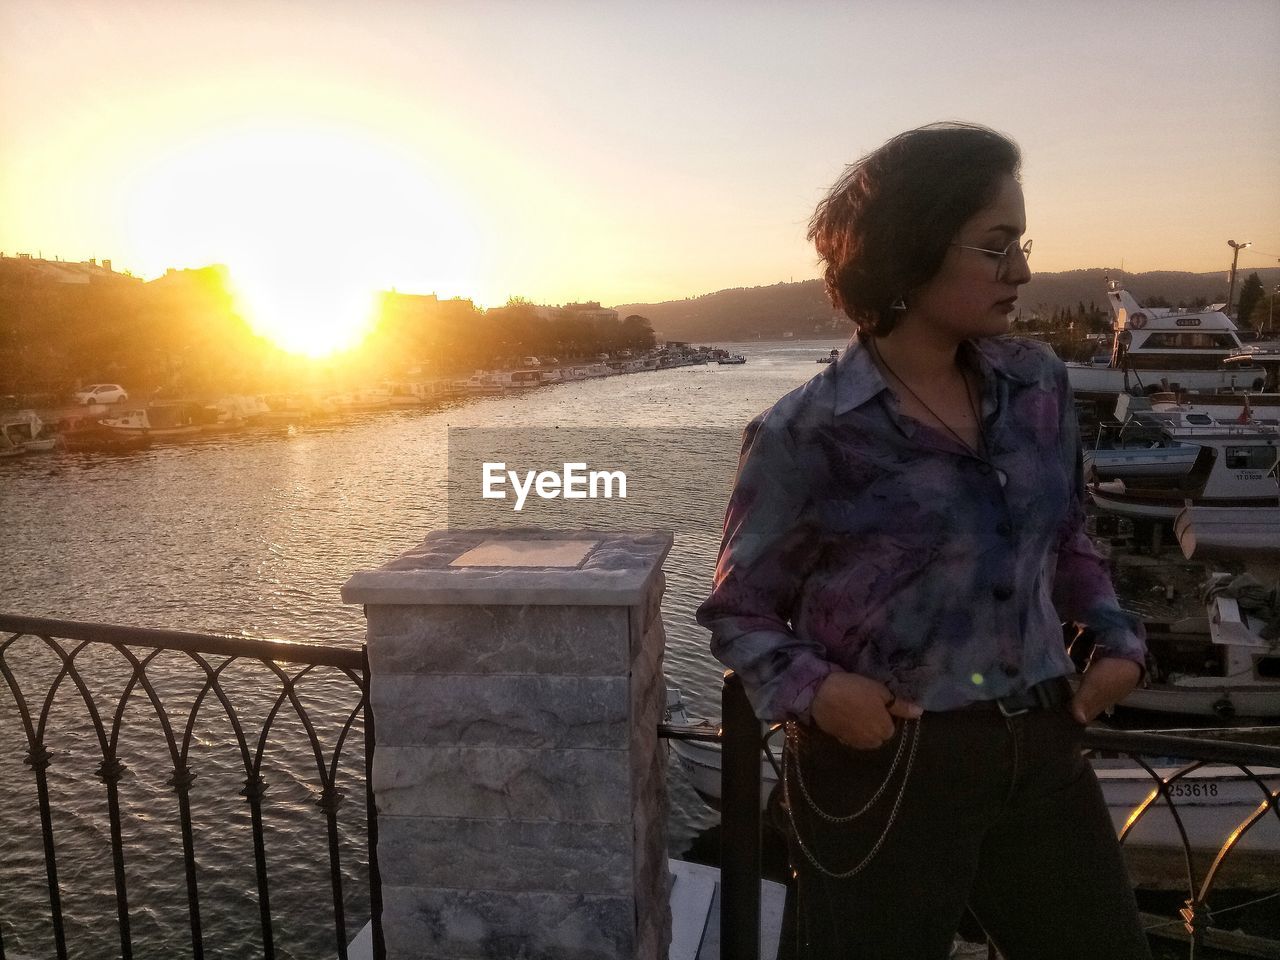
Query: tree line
[[183, 334]]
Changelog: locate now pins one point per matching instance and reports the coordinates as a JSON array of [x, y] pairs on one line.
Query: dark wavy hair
[[883, 229]]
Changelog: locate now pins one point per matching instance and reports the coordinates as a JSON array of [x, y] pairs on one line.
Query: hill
[[802, 309]]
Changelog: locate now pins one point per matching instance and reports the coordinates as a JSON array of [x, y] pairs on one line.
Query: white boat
[[518, 380], [732, 360], [588, 371], [1251, 534], [1138, 450], [1157, 348], [1236, 467], [24, 432], [241, 410], [1187, 418], [480, 383], [368, 400], [1214, 666], [1257, 401], [157, 420], [1211, 800]]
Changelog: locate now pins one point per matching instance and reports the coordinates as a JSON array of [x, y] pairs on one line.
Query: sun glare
[[311, 224]]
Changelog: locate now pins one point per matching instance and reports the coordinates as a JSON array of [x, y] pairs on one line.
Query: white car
[[101, 393]]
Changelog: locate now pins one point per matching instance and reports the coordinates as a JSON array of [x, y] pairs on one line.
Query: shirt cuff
[[1117, 635], [799, 686]]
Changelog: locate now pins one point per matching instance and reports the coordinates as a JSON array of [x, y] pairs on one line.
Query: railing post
[[739, 825], [371, 812], [520, 788]]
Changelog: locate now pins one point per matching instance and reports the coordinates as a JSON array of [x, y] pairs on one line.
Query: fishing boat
[[831, 357], [25, 432], [82, 433], [1157, 348], [1235, 467], [171, 420], [1211, 799], [1214, 666], [732, 359], [1138, 449], [1249, 534]]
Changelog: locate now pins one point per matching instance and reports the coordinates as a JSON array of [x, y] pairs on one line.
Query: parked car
[[101, 393]]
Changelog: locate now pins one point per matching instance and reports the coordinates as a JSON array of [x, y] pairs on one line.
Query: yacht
[[1159, 348]]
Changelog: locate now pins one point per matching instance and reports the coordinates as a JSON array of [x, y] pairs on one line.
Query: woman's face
[[973, 293]]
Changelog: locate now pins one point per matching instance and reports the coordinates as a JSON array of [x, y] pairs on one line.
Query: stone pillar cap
[[518, 566]]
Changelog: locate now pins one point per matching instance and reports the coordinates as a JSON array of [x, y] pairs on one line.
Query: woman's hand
[[1107, 680], [857, 710]]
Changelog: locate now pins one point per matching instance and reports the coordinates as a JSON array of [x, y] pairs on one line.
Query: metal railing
[[240, 699], [741, 819]]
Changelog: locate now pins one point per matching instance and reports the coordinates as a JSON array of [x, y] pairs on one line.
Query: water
[[254, 534]]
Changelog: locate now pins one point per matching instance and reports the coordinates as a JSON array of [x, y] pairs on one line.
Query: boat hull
[[1155, 462], [1164, 505], [1109, 381], [1203, 699]]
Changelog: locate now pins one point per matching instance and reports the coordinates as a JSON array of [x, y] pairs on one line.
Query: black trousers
[[999, 814]]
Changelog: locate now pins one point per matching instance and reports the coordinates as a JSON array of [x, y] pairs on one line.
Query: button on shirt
[[860, 539]]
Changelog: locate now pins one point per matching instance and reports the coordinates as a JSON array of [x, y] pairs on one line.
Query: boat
[[1161, 348], [1250, 534], [480, 383], [368, 400], [516, 380], [1211, 799], [1137, 449], [732, 360], [1214, 666], [171, 420], [1258, 401], [82, 433], [25, 432], [1235, 467], [241, 410], [831, 357]]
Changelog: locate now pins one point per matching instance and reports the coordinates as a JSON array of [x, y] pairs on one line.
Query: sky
[[621, 152]]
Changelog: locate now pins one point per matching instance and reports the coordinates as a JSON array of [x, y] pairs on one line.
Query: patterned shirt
[[858, 538]]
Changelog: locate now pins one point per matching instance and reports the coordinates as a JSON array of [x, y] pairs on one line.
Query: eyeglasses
[[1001, 257]]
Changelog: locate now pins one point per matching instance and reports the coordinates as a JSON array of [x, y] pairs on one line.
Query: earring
[[898, 304]]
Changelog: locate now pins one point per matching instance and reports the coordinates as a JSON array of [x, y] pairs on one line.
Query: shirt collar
[[858, 379]]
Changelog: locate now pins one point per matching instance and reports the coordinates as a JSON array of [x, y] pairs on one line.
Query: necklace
[[980, 450]]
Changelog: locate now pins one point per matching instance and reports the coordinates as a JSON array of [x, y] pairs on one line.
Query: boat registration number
[[1182, 789]]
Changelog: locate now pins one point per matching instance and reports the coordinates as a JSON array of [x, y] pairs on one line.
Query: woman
[[905, 536]]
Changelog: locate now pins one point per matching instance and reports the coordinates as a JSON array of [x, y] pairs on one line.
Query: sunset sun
[[310, 222]]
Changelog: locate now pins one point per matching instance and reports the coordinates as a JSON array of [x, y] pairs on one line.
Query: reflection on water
[[254, 534]]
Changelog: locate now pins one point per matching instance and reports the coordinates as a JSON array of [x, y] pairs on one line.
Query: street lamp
[[1231, 287]]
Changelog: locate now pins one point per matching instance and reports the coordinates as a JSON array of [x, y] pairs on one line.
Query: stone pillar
[[517, 687]]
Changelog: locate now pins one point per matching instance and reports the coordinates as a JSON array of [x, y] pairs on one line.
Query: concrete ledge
[[617, 571]]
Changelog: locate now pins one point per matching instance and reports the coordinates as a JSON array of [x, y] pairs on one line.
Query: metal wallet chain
[[791, 762]]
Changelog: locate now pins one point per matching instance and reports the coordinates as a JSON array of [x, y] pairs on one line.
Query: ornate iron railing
[[742, 744], [241, 699]]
